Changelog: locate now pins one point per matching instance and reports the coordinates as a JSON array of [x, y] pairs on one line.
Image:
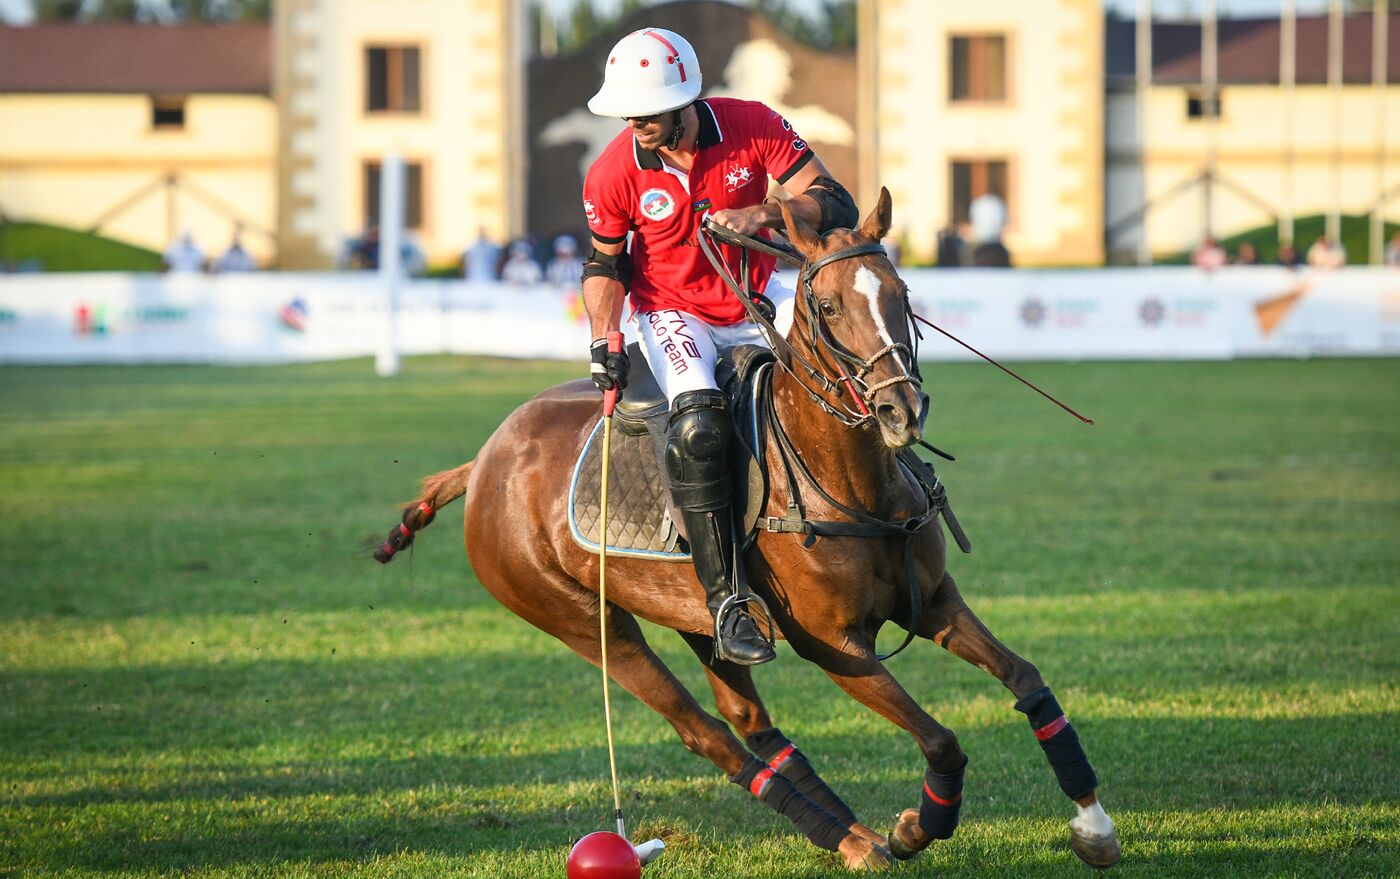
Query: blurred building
[[1000, 96], [438, 81], [139, 132], [1278, 149]]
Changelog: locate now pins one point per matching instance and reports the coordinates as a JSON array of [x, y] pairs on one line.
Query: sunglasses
[[643, 120]]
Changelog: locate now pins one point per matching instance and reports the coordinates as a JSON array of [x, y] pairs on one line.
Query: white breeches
[[681, 349]]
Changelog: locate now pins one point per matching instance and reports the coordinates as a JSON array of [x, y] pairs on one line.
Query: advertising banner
[[1115, 314]]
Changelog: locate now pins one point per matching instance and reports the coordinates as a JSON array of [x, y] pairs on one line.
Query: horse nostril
[[892, 417]]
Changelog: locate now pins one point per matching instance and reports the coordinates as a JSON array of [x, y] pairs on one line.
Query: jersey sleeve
[[604, 206], [783, 150]]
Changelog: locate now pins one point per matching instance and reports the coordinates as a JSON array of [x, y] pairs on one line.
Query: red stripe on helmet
[[670, 48], [1051, 728], [783, 755], [760, 781], [939, 800]]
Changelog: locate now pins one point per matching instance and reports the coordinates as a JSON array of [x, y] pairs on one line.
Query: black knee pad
[[697, 451]]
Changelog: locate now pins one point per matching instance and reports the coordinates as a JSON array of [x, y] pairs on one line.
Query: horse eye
[[827, 308]]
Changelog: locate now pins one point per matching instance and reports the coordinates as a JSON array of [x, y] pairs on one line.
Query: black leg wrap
[[940, 802], [1060, 743], [816, 823], [774, 749]]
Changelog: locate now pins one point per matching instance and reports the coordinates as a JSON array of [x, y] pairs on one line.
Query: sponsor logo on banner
[[657, 204], [949, 312], [1270, 313], [90, 320], [1152, 312], [293, 315], [159, 317], [1067, 313]]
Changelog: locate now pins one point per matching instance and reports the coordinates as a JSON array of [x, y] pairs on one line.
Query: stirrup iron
[[737, 603]]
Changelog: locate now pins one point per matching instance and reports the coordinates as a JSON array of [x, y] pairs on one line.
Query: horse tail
[[439, 490]]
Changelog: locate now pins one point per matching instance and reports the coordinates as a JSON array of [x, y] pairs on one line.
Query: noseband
[[853, 369]]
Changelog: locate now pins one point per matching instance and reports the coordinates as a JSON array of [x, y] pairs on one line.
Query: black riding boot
[[697, 461]]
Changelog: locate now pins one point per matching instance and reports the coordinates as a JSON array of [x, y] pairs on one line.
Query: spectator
[[521, 267], [565, 269], [183, 255], [1247, 255], [479, 261], [950, 248], [363, 252], [1392, 251], [1288, 256], [1326, 254], [988, 216], [1209, 256], [235, 259]]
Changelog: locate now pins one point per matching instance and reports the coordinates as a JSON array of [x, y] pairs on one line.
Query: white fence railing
[[1128, 314]]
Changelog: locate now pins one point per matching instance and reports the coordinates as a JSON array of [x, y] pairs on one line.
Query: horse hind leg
[[951, 624], [633, 664], [738, 701]]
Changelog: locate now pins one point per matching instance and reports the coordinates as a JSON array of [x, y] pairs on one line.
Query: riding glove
[[608, 370]]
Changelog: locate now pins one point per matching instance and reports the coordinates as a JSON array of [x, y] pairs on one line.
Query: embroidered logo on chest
[[738, 177], [657, 204]]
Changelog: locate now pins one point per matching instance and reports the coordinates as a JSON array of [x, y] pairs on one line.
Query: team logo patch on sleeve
[[657, 204], [590, 211], [701, 205]]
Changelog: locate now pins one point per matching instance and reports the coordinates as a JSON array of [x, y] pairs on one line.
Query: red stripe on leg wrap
[[782, 756], [760, 781], [404, 530], [939, 800], [1051, 728]]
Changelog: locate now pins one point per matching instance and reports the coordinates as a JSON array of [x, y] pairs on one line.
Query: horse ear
[[803, 236], [877, 225]]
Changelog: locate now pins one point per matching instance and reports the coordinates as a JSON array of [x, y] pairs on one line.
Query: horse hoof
[[870, 835], [907, 838], [874, 859], [1096, 851]]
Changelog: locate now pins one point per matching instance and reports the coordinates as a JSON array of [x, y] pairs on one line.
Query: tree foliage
[[831, 25], [153, 11]]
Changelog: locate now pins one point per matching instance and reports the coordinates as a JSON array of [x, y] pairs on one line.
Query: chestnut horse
[[829, 600]]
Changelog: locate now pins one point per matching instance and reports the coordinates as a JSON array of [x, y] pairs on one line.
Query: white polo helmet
[[649, 71]]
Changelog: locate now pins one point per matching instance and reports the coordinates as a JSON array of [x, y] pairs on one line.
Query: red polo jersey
[[739, 146]]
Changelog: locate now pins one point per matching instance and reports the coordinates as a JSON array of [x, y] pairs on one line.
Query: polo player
[[680, 160]]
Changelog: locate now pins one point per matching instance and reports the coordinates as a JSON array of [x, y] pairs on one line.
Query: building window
[[1198, 107], [971, 178], [977, 68], [392, 81], [168, 112], [413, 194]]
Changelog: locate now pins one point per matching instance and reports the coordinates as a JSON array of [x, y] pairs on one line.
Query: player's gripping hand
[[607, 370]]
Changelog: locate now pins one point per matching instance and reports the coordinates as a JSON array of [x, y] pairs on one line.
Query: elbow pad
[[617, 266], [838, 208]]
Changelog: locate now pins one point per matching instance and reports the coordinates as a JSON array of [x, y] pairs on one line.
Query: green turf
[[202, 674], [58, 249]]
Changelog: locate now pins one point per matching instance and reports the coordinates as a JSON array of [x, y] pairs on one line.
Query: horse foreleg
[[738, 701], [951, 624], [856, 670], [641, 672]]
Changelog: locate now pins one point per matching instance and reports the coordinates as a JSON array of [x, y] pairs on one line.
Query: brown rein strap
[[793, 258]]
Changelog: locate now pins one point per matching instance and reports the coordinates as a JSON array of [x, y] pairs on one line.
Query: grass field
[[202, 674]]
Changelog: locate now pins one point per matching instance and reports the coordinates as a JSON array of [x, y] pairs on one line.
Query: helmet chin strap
[[679, 131]]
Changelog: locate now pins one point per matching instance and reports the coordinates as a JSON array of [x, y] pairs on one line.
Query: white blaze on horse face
[[868, 285], [1093, 821]]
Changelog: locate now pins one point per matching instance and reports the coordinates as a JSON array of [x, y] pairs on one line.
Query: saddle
[[641, 520]]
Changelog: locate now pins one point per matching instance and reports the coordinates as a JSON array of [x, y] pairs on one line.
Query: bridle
[[850, 382]]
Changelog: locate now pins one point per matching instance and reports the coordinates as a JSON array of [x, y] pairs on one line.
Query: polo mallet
[[650, 850]]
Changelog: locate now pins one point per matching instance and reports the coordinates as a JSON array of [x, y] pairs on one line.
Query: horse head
[[853, 317]]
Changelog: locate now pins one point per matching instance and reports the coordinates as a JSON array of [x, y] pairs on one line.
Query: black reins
[[853, 382]]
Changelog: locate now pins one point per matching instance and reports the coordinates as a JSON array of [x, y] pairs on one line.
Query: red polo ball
[[604, 855]]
